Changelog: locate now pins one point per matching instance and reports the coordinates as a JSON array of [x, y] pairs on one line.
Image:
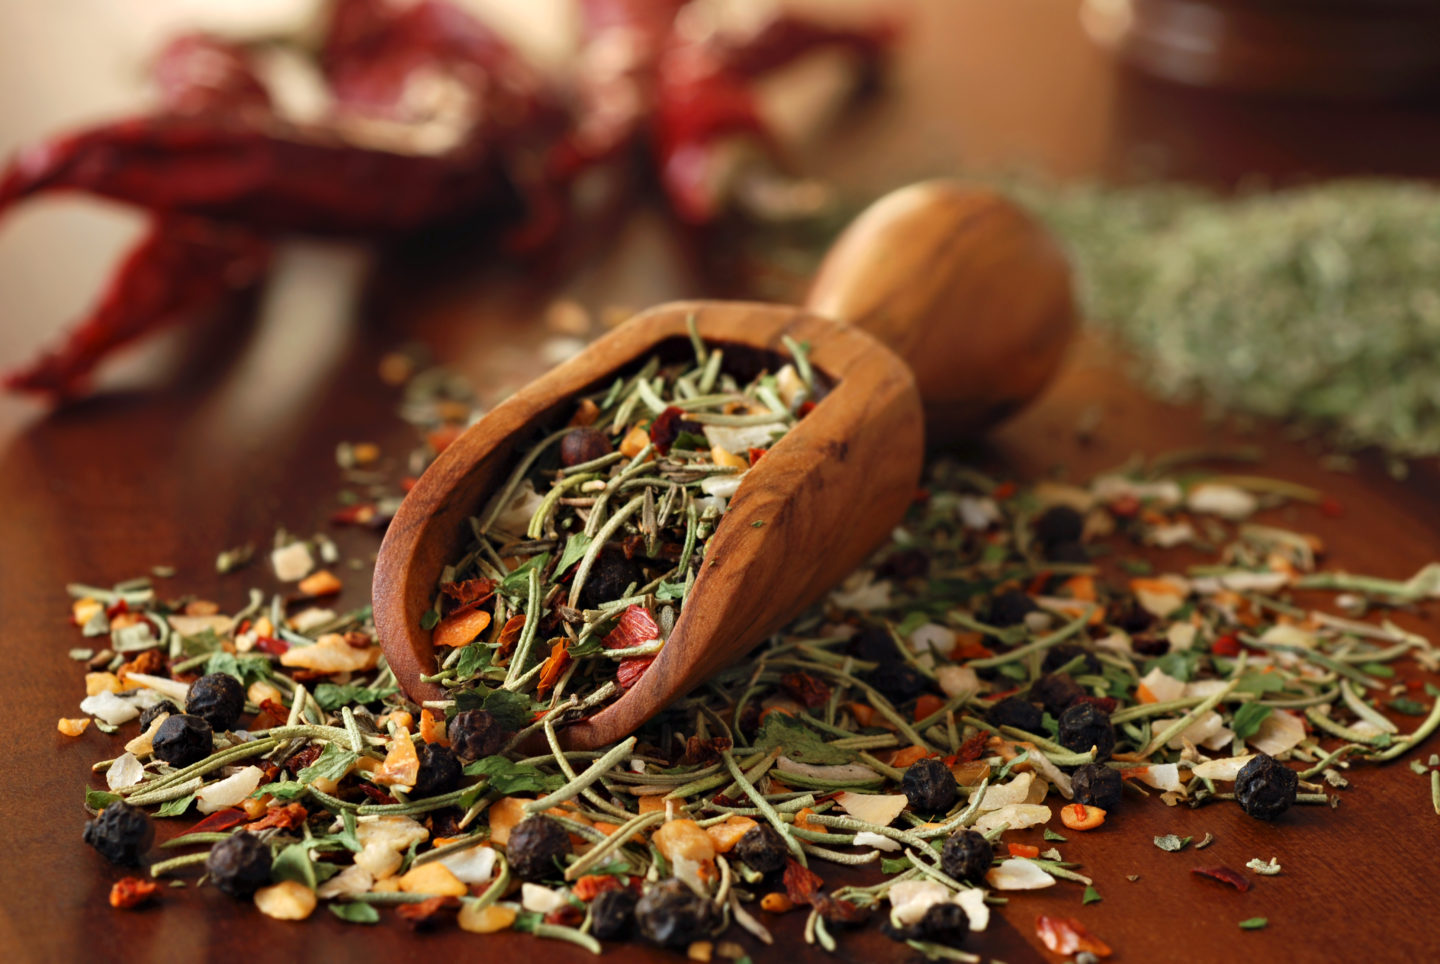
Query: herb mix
[[581, 563], [981, 674]]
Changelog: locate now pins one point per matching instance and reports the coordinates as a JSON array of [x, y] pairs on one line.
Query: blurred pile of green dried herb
[[1318, 304]]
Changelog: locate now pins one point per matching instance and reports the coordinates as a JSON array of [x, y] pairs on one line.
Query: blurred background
[[1132, 126]]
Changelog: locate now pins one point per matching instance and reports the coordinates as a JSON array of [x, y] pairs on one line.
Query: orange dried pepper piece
[[803, 822], [131, 892], [1023, 850], [1079, 816], [910, 754], [927, 704], [863, 712], [322, 583], [461, 629], [432, 727], [1067, 936], [776, 903], [554, 666]]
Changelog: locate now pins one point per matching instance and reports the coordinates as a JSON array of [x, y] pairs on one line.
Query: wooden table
[[211, 438]]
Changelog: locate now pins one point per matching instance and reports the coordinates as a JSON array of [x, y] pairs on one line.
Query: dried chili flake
[[807, 690], [1067, 936], [631, 668], [288, 817], [704, 751], [801, 883], [973, 748], [131, 892], [635, 626], [554, 666], [271, 645], [1225, 875], [1107, 704], [567, 916], [754, 455], [429, 912], [590, 886], [1226, 645], [510, 634], [667, 428], [468, 592], [220, 821]]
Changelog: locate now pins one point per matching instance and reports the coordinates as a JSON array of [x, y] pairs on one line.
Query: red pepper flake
[[554, 665], [375, 793], [703, 752], [271, 645], [801, 883], [806, 407], [1067, 936], [1003, 491], [1331, 507], [288, 817], [1106, 703], [510, 633], [1023, 850], [754, 455], [973, 748], [667, 428], [837, 911], [631, 668], [469, 593], [1227, 645], [220, 821], [806, 689], [567, 915], [1225, 875], [360, 514], [303, 757], [1125, 506], [634, 627], [590, 886], [408, 483], [116, 608], [131, 892], [429, 912]]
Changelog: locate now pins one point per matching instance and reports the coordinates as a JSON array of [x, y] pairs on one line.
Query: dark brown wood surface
[[212, 437]]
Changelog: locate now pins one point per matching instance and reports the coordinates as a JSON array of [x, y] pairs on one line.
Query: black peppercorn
[[945, 923], [905, 564], [929, 786], [1265, 787], [1058, 692], [874, 645], [121, 833], [1096, 785], [967, 855], [1010, 609], [239, 865], [1072, 553], [584, 445], [218, 699], [612, 914], [537, 848], [1057, 525], [475, 734], [762, 849], [897, 680], [1058, 656], [439, 771], [1014, 712], [672, 915], [1085, 725], [151, 713], [1127, 614], [610, 577], [182, 740], [942, 923]]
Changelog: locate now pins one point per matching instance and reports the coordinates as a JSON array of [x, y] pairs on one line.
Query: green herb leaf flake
[[1248, 719], [1171, 843], [506, 777], [355, 913], [1254, 923], [332, 764], [1092, 896]]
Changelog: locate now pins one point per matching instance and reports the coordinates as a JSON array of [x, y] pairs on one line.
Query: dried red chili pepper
[[429, 912], [630, 669], [220, 820], [809, 691], [702, 751], [131, 892], [801, 883], [1066, 935], [1225, 875], [288, 817]]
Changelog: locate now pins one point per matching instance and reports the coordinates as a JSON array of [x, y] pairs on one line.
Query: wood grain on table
[[212, 437]]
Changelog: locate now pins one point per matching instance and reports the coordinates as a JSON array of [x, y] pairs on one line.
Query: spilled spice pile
[[983, 673]]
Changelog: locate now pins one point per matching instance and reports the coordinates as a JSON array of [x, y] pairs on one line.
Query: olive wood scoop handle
[[942, 308]]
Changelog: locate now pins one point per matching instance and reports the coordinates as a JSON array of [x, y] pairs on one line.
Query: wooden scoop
[[942, 304]]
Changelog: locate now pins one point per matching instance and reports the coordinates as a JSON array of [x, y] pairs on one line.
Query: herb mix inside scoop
[[580, 565]]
